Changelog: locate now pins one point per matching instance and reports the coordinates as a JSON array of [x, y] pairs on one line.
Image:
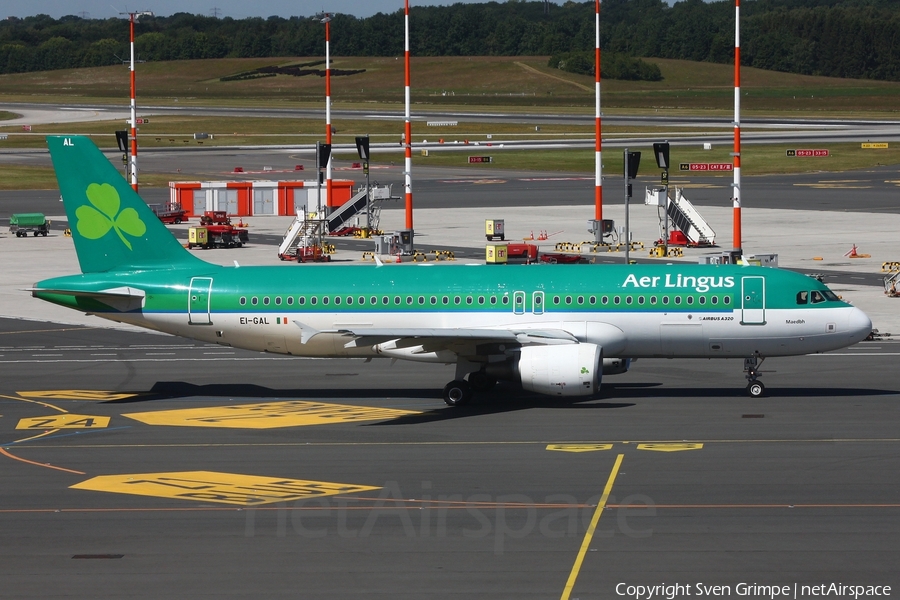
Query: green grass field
[[520, 82], [508, 84]]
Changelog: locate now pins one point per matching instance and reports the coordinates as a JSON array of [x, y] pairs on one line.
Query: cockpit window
[[817, 297], [802, 297], [831, 296]]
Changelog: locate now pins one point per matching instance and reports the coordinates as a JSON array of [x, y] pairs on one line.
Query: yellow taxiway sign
[[64, 421]]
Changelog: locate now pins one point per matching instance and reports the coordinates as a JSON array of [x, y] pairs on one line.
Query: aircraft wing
[[442, 336]]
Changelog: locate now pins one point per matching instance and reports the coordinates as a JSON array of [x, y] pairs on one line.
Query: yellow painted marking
[[34, 437], [66, 421], [76, 395], [268, 415], [44, 404], [578, 447], [669, 447], [224, 488], [589, 535], [874, 144]]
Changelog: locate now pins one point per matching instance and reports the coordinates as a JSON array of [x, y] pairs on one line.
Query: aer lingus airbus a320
[[554, 329]]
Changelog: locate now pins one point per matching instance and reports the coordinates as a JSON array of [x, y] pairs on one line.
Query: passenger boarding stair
[[346, 211], [683, 216], [302, 232], [357, 206]]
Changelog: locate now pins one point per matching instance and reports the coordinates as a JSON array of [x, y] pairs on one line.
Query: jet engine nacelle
[[561, 369]]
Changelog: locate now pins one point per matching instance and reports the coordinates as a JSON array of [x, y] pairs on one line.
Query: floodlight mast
[[326, 19], [598, 157], [407, 127], [132, 18]]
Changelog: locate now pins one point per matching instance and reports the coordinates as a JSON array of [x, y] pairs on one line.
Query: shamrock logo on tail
[[95, 221]]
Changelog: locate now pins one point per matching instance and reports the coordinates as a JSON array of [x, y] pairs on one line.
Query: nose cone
[[859, 325]]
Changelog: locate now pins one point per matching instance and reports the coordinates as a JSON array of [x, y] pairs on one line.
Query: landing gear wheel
[[457, 393], [756, 389], [481, 382]]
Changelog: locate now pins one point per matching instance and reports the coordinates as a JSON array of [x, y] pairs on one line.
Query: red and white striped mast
[[736, 197], [132, 17], [407, 138], [598, 167]]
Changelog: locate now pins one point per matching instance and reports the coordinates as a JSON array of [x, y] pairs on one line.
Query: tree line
[[839, 38]]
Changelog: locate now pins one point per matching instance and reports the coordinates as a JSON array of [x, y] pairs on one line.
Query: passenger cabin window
[[802, 297], [243, 300]]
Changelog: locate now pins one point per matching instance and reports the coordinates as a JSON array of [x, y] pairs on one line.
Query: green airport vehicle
[[23, 223]]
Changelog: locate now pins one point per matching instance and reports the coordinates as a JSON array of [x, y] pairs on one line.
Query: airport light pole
[[598, 166], [407, 132], [661, 153], [132, 18], [326, 19], [362, 148], [632, 162]]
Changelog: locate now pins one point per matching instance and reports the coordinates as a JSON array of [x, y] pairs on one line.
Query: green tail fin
[[112, 226]]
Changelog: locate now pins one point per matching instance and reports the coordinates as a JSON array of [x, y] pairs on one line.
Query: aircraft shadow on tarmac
[[636, 390], [502, 399]]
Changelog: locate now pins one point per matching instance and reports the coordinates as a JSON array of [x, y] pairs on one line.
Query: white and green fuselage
[[548, 326]]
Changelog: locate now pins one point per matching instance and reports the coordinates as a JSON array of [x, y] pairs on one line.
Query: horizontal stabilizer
[[122, 299]]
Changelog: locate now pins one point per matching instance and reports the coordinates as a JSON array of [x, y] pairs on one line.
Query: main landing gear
[[755, 388], [459, 391]]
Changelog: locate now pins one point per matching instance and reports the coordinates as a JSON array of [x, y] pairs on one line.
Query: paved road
[[367, 485]]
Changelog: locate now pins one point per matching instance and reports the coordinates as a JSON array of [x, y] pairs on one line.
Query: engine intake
[[561, 369]]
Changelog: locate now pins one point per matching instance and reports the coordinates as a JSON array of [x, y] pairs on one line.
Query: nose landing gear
[[755, 388]]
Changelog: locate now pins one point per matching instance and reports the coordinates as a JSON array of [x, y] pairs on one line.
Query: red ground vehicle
[[220, 233], [170, 212], [527, 253]]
